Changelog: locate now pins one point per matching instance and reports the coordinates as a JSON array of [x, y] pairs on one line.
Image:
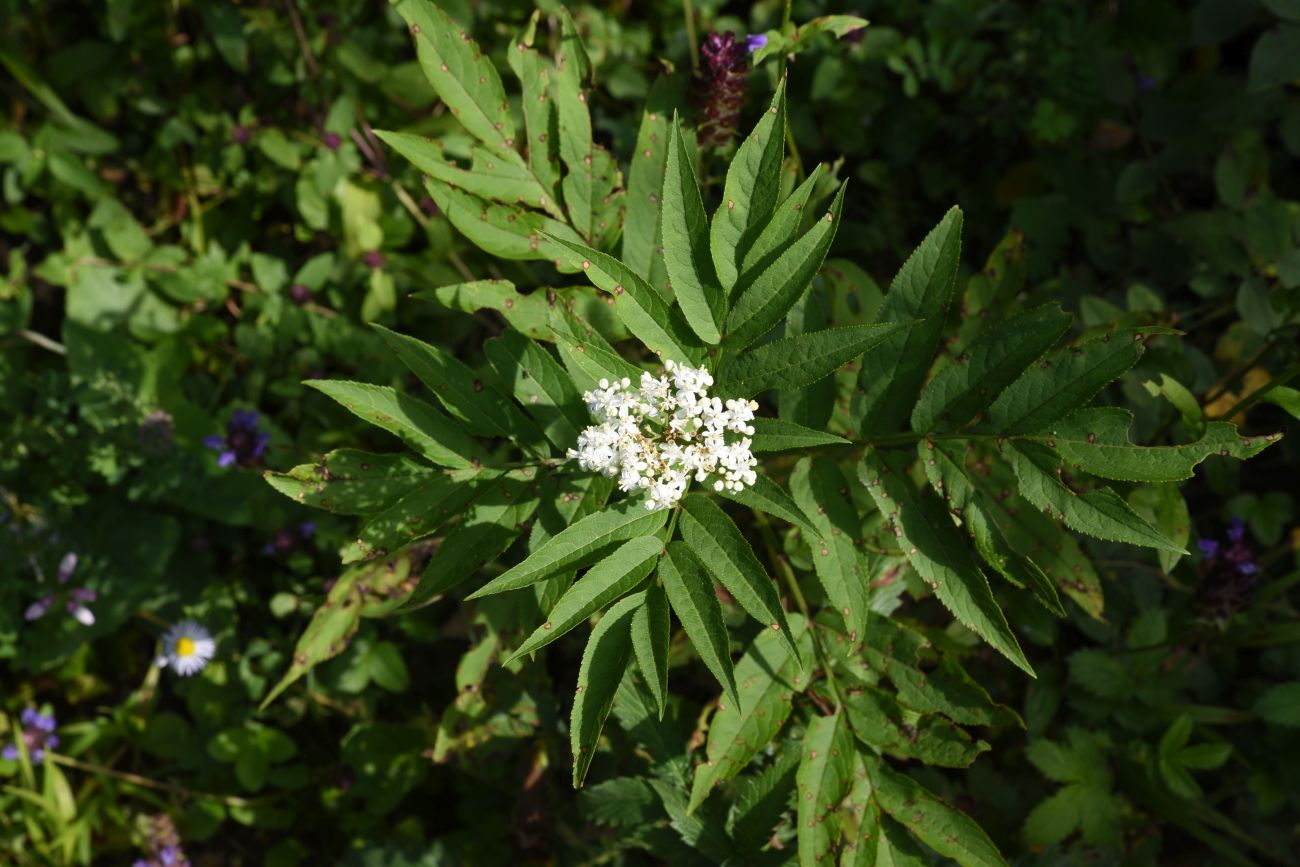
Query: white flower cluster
[[657, 437]]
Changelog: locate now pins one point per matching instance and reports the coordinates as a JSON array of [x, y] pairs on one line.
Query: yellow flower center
[[185, 647]]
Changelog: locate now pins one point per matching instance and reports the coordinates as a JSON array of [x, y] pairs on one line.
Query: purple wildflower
[[373, 259], [720, 89], [333, 140], [241, 134], [76, 599], [1229, 572], [755, 41], [163, 843], [243, 443], [299, 294], [37, 735]]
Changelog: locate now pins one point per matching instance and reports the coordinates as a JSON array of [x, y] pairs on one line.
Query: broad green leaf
[[503, 230], [691, 594], [749, 193], [1280, 704], [893, 372], [935, 549], [645, 179], [821, 491], [488, 177], [639, 305], [764, 301], [775, 435], [945, 467], [420, 426], [880, 722], [824, 778], [351, 482], [780, 232], [768, 497], [490, 524], [977, 376], [579, 544], [461, 392], [608, 651], [462, 75], [944, 829], [540, 121], [906, 657], [767, 678], [651, 631], [419, 513], [573, 71], [358, 589], [729, 558], [791, 362], [1064, 382], [529, 314], [1165, 509], [603, 583], [1100, 513], [1096, 440], [685, 230], [539, 383], [761, 799]]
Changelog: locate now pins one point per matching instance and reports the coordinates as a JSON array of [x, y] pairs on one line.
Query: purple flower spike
[[1236, 530], [1209, 547], [755, 41], [243, 443], [720, 88], [1230, 573]]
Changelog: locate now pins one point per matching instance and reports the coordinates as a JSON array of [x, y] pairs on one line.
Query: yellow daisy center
[[185, 647]]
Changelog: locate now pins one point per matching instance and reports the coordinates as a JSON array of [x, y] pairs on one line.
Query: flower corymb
[[658, 436]]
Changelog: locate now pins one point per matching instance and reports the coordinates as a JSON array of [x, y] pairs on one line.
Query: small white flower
[[187, 647], [666, 432]]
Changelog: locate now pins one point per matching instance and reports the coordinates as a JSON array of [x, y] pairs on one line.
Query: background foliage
[[198, 218]]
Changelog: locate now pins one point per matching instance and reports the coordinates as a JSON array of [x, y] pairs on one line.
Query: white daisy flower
[[187, 647]]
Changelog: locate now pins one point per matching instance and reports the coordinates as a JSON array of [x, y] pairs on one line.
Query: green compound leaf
[[976, 377], [488, 527], [685, 231], [764, 301], [420, 513], [651, 631], [461, 392], [730, 559], [604, 582], [663, 329], [579, 544], [1096, 440], [645, 179], [604, 661], [1101, 513], [779, 233], [892, 372], [587, 356], [945, 467], [488, 177], [503, 230], [750, 192], [573, 70], [540, 121], [540, 384], [529, 314], [768, 497], [767, 678], [352, 482], [824, 778], [944, 829], [821, 491], [882, 723], [691, 594], [462, 76], [935, 549], [426, 430], [776, 435], [761, 800], [1165, 509], [1063, 383], [800, 360]]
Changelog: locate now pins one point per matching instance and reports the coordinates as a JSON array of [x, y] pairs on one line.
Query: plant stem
[[126, 776], [688, 15], [783, 566]]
